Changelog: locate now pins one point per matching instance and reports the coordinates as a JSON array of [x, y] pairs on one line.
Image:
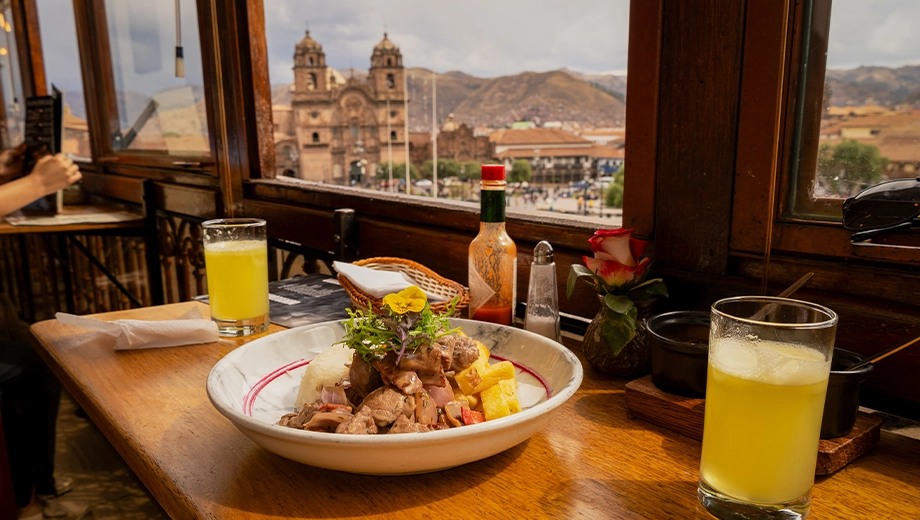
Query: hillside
[[453, 89], [884, 86], [539, 96], [496, 102], [616, 85]]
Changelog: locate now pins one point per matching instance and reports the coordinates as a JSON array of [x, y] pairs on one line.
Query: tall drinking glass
[[769, 361], [236, 260]]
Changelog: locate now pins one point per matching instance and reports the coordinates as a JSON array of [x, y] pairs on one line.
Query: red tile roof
[[535, 136], [595, 151]]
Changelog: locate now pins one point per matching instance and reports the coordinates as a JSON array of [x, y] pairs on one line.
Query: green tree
[[613, 195], [849, 167], [520, 171], [399, 171], [470, 170], [446, 168]]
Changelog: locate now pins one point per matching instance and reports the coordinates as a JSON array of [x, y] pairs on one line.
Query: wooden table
[[90, 210], [591, 461], [143, 226]]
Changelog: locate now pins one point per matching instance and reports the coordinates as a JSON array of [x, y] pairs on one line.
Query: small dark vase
[[635, 359]]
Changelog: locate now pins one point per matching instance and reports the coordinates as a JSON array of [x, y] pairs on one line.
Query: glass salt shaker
[[542, 295]]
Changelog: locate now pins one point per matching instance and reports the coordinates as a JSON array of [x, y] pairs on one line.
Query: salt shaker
[[542, 296]]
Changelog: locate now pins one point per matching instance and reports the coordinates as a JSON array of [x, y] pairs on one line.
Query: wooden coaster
[[684, 415]]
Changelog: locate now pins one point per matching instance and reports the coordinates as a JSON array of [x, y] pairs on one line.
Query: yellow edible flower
[[410, 299]]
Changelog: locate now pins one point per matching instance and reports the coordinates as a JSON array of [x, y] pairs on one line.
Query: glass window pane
[[357, 91], [868, 129], [160, 107], [62, 68], [10, 81]]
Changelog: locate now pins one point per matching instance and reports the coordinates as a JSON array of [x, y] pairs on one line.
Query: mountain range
[[593, 100], [874, 85], [559, 95]]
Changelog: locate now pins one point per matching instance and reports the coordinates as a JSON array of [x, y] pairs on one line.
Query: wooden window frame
[[102, 108], [387, 217], [762, 230]]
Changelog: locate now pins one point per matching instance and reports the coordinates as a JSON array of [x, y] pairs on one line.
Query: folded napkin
[[188, 329], [379, 283]]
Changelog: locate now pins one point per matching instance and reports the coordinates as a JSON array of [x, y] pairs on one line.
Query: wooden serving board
[[684, 415]]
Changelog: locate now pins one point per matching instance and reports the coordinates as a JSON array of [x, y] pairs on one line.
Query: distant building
[[896, 134], [76, 135], [456, 141], [606, 136], [338, 130], [555, 155]]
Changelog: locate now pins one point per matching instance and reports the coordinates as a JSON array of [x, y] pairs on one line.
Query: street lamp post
[[359, 151]]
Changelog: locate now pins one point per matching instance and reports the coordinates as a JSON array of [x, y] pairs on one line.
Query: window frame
[[773, 39], [643, 50], [98, 77]]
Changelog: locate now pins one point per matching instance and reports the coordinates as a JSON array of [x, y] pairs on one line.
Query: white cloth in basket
[[378, 283]]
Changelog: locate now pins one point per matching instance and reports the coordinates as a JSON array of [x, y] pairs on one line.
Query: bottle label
[[492, 207], [480, 291]]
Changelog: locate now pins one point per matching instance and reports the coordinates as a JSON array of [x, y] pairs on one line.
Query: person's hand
[[11, 163], [55, 172]]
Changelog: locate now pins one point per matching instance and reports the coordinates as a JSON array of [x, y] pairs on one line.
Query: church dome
[[386, 45], [450, 125], [308, 44]]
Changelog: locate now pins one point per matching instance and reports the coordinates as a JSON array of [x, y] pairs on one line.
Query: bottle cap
[[493, 172], [543, 253]]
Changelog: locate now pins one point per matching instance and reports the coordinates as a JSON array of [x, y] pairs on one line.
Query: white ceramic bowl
[[256, 384]]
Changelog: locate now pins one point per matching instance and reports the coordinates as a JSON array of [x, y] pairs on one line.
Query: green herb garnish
[[406, 322]]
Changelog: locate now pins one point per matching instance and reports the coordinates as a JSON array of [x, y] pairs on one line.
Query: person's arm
[[51, 173]]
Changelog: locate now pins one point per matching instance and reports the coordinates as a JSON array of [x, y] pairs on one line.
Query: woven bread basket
[[426, 279]]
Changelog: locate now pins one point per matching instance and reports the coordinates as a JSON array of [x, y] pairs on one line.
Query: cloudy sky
[[481, 37]]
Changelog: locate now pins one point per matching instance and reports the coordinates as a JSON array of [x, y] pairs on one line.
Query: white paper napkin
[[188, 329], [379, 283]]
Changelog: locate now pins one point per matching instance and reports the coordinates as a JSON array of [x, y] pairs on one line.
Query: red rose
[[617, 272], [615, 257]]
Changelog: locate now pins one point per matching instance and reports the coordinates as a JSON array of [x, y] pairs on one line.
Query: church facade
[[339, 130]]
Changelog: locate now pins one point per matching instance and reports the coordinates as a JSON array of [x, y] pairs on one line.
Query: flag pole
[[434, 132], [406, 119]]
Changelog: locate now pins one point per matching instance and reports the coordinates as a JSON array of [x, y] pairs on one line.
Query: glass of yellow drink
[[236, 261], [769, 362]]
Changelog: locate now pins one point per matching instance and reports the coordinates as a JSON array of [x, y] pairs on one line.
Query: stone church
[[339, 130]]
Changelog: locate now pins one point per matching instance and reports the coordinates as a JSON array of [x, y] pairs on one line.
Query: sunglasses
[[887, 206]]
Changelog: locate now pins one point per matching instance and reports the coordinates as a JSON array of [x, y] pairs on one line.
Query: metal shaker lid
[[543, 253]]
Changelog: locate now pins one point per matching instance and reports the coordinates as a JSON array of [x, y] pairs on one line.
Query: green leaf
[[649, 289], [577, 271], [618, 303], [619, 329]]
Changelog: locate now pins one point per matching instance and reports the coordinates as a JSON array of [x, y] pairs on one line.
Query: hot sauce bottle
[[493, 255]]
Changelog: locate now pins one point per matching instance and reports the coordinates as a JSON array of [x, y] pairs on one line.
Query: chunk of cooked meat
[[407, 381], [404, 425], [386, 405], [433, 379], [426, 411], [428, 359], [363, 378], [361, 423], [465, 352], [297, 420], [328, 420]]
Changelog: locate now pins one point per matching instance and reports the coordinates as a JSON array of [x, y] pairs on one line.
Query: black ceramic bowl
[[680, 352], [843, 388]]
